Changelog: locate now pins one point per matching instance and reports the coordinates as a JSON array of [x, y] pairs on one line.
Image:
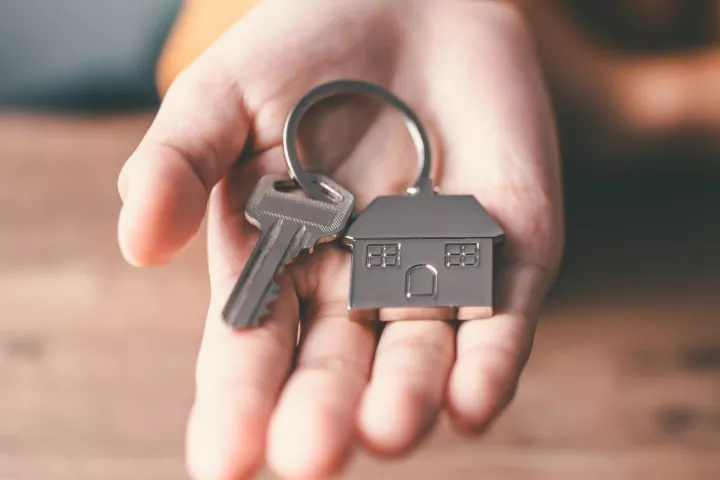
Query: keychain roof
[[406, 217]]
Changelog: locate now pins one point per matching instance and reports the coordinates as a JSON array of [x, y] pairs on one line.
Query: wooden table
[[96, 358]]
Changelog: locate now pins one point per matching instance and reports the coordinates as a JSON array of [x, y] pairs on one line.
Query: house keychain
[[421, 249]]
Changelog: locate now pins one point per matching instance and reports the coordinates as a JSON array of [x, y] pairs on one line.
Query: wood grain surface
[[96, 357]]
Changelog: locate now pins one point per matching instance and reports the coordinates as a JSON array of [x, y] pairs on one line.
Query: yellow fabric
[[198, 25], [201, 22]]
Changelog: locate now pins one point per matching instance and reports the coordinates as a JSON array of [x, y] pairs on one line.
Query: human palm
[[467, 68]]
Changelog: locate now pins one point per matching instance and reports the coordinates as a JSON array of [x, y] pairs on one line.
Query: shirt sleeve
[[198, 25]]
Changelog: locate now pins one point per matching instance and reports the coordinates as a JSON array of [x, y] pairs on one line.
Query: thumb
[[199, 131]]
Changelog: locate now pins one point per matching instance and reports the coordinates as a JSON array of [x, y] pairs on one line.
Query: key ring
[[359, 87]]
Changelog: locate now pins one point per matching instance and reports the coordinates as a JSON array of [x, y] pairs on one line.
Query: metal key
[[289, 224]]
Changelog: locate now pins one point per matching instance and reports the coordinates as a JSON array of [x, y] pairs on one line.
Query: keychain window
[[461, 255], [383, 256]]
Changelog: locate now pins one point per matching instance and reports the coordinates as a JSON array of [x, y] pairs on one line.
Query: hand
[[467, 68]]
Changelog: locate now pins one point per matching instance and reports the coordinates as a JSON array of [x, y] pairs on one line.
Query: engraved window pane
[[375, 250], [469, 260], [375, 261], [453, 250], [470, 249], [391, 250], [453, 260]]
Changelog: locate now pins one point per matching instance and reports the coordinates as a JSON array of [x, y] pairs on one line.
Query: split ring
[[343, 87]]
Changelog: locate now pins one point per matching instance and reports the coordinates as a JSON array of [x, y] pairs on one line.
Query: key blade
[[289, 223], [256, 289], [264, 308]]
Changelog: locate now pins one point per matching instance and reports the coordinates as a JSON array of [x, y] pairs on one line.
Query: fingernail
[[123, 184], [124, 231]]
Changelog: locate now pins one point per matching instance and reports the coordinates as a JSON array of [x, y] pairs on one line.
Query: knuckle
[[220, 370], [434, 353], [336, 365], [202, 162]]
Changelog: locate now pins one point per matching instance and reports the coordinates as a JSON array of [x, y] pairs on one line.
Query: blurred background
[[97, 358]]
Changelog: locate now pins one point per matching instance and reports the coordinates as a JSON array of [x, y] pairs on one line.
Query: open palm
[[467, 68]]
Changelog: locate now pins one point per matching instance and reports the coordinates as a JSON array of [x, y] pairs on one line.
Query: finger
[[239, 373], [312, 428], [406, 391], [492, 353], [197, 134]]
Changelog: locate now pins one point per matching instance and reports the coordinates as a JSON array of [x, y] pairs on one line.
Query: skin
[[469, 71]]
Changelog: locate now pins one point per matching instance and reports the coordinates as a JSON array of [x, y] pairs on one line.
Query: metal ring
[[342, 87]]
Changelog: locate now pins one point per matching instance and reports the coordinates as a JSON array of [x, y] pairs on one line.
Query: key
[[289, 224]]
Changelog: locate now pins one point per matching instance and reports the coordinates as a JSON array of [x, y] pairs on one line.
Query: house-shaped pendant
[[423, 250]]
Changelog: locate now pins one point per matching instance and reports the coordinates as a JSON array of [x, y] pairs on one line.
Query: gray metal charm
[[415, 250], [289, 224], [423, 250]]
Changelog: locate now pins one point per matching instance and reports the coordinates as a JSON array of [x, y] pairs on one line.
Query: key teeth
[[270, 297], [261, 316]]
